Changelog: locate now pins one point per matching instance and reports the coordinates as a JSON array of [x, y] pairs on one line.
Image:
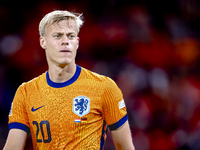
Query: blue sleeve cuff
[[119, 123], [17, 125]]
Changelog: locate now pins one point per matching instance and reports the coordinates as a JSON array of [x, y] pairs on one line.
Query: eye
[[57, 36], [71, 36]]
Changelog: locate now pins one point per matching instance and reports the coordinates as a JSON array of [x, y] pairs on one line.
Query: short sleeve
[[18, 117], [114, 109]]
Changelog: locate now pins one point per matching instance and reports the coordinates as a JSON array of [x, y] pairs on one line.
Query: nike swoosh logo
[[32, 109]]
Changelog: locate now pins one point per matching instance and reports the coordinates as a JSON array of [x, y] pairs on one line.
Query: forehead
[[61, 26]]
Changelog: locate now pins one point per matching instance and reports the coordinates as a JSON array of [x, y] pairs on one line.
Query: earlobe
[[42, 42]]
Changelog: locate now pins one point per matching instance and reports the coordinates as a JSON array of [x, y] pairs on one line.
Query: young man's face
[[60, 43]]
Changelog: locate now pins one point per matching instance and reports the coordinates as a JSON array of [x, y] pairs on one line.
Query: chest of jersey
[[64, 103], [65, 113]]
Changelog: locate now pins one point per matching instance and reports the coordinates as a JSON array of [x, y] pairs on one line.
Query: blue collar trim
[[70, 81]]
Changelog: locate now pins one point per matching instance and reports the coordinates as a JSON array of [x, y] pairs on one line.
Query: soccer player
[[67, 107]]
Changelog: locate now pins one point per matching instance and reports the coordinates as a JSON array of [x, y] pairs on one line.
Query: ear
[[78, 39], [43, 42]]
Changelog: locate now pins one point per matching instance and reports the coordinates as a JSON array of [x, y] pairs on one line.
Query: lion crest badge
[[81, 105]]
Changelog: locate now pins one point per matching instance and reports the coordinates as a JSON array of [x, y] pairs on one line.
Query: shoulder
[[29, 87], [37, 81], [95, 76], [98, 80]]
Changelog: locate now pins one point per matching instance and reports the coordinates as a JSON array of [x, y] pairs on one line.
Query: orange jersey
[[70, 115]]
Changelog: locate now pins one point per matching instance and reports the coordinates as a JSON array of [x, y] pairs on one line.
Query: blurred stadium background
[[149, 47]]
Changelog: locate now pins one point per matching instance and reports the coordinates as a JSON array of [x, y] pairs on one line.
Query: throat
[[62, 66], [62, 75]]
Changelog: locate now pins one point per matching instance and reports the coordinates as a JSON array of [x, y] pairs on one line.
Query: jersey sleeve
[[114, 109], [18, 118]]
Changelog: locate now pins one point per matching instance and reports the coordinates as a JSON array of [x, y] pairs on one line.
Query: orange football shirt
[[70, 115]]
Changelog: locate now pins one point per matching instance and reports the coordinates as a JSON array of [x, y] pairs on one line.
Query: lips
[[65, 51]]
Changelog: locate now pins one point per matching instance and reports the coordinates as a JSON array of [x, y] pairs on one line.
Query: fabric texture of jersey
[[70, 115]]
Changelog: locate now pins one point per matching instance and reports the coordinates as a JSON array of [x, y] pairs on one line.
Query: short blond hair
[[58, 15]]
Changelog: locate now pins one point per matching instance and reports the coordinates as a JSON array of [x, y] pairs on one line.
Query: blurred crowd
[[149, 47]]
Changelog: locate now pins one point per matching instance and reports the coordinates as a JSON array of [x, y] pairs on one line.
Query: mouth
[[65, 51]]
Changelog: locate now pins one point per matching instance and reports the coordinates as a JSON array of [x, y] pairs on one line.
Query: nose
[[65, 40]]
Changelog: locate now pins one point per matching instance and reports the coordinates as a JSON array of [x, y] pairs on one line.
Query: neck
[[61, 74]]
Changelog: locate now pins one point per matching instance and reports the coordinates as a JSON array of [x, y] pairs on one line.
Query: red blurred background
[[150, 48]]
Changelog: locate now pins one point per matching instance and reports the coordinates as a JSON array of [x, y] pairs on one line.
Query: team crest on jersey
[[81, 105]]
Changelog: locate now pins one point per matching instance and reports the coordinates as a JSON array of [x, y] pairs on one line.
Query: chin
[[65, 62]]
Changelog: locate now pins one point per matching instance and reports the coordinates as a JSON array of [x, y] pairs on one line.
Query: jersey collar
[[70, 81]]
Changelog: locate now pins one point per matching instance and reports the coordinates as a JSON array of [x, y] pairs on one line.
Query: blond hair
[[58, 15]]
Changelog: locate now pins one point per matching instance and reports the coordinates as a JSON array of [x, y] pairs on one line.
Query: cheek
[[52, 46], [75, 44]]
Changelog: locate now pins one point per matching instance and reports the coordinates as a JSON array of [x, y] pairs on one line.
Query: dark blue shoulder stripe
[[70, 81], [119, 123], [17, 125]]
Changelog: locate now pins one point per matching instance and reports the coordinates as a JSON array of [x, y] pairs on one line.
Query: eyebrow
[[63, 33]]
